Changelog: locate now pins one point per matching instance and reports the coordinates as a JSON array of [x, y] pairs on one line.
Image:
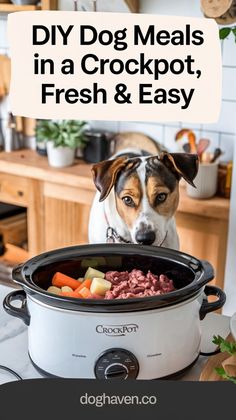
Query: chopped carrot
[[86, 283], [61, 280], [71, 294], [85, 293]]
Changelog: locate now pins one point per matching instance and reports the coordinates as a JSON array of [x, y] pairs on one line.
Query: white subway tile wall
[[229, 55], [222, 133], [227, 144], [228, 83], [102, 5]]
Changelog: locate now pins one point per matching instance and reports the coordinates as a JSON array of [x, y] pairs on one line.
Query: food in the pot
[[66, 289], [93, 262], [61, 280], [100, 286], [85, 293], [115, 285], [137, 284], [86, 283], [71, 294], [91, 273], [54, 289]]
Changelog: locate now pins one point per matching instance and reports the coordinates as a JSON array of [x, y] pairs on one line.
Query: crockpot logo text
[[117, 330]]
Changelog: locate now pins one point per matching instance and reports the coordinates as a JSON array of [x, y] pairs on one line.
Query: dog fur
[[138, 197]]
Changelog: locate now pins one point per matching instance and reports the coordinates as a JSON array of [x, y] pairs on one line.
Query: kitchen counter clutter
[[13, 333], [62, 197]]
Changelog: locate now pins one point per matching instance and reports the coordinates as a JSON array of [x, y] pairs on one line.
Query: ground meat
[[115, 277], [136, 284]]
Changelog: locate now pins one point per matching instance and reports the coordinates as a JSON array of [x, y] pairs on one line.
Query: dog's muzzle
[[145, 237]]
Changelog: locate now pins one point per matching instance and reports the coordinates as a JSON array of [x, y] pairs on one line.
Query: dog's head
[[146, 190]]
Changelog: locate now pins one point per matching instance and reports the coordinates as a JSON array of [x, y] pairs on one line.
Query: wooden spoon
[[203, 144], [192, 142], [191, 138], [217, 153]]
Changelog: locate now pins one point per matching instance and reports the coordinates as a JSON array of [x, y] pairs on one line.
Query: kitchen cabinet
[[43, 5], [203, 230], [58, 203], [133, 6]]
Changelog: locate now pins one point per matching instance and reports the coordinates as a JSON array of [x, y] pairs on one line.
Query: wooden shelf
[[8, 8]]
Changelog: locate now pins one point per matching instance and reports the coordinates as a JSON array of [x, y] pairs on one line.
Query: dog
[[138, 196]]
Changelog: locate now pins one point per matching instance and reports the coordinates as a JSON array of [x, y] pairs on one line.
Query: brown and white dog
[[137, 198]]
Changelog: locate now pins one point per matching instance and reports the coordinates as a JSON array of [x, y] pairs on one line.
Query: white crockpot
[[143, 338]]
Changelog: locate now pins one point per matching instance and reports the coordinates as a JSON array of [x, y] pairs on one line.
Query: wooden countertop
[[29, 164], [216, 207]]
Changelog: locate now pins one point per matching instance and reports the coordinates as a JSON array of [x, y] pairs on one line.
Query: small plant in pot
[[61, 138]]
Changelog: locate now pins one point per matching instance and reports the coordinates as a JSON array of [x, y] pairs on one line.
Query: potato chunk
[[100, 286], [55, 290], [91, 273], [66, 289]]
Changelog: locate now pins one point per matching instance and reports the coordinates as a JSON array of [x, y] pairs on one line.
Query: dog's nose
[[145, 238]]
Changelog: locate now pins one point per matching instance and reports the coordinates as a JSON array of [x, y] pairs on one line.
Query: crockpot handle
[[17, 275], [209, 273], [212, 306], [21, 312]]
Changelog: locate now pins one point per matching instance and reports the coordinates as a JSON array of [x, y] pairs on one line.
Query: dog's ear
[[182, 165], [105, 174]]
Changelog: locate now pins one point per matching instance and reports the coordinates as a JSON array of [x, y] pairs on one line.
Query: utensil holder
[[205, 181]]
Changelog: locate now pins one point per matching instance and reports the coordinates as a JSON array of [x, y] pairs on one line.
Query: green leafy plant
[[65, 133], [224, 32], [225, 346]]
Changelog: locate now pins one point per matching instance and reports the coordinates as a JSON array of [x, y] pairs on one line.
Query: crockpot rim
[[128, 308], [29, 267]]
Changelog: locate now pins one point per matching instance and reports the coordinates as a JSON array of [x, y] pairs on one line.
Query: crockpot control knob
[[116, 363], [116, 371]]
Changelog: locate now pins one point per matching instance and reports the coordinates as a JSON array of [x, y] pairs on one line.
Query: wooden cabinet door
[[66, 220], [204, 238]]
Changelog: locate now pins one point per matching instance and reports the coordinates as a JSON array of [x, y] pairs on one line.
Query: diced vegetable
[[89, 262], [85, 293], [100, 286], [71, 294], [66, 289], [93, 262], [61, 280], [86, 283], [80, 279], [54, 289], [91, 273]]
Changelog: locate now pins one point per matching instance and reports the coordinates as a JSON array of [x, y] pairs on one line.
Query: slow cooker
[[143, 338]]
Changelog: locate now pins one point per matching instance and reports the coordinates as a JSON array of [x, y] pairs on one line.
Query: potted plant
[[61, 138]]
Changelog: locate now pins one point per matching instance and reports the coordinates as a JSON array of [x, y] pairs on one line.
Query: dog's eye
[[160, 198], [128, 201]]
